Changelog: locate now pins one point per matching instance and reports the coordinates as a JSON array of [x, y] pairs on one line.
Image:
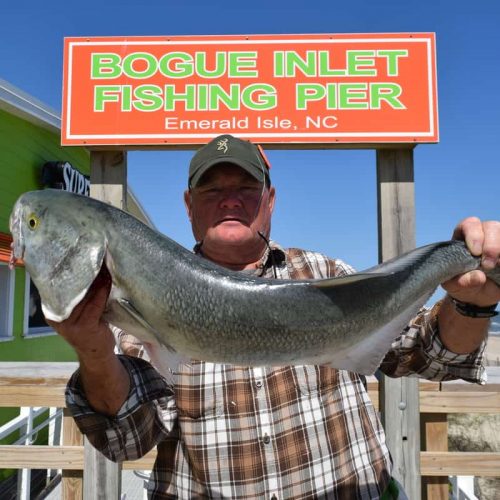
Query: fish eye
[[33, 221]]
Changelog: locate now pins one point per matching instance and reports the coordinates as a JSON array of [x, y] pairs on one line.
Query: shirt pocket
[[314, 380], [199, 402]]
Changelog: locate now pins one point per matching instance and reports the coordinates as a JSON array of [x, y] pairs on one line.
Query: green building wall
[[24, 148]]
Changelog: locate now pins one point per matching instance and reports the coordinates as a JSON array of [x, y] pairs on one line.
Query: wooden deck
[[43, 384]]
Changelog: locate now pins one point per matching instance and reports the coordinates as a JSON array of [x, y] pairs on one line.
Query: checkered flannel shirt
[[233, 432]]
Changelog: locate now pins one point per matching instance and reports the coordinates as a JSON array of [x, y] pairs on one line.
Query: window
[[34, 319], [6, 301]]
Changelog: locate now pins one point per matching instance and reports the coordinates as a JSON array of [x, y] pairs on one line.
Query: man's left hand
[[482, 239]]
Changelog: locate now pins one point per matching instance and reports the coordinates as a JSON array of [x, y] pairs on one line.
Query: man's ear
[[188, 201], [272, 198]]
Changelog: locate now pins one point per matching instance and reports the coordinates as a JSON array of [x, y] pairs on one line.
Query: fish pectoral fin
[[130, 308], [164, 360], [346, 280]]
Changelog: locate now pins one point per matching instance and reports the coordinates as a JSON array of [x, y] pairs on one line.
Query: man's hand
[[85, 329], [482, 239], [462, 334], [105, 381]]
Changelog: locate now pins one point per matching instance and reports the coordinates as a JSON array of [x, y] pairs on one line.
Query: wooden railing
[[42, 384]]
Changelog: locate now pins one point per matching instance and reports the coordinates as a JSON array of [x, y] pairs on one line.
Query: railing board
[[41, 457], [144, 463], [459, 463], [39, 372], [43, 384], [492, 385], [433, 463], [459, 402], [15, 396]]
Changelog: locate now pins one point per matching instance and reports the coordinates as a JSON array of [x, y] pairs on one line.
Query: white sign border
[[263, 135]]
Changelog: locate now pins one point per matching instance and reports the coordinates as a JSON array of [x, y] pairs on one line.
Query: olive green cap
[[228, 149]]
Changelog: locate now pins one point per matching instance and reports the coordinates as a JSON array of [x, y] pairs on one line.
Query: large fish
[[165, 295]]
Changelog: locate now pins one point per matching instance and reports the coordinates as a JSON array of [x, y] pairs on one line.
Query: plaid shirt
[[235, 432]]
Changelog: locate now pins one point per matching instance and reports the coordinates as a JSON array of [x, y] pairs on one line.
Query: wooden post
[[399, 400], [72, 480], [108, 177], [108, 182], [434, 433], [101, 477]]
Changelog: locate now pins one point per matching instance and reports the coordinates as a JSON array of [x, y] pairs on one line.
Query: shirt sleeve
[[147, 416], [419, 351]]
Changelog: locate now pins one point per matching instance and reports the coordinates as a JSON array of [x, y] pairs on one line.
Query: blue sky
[[326, 199]]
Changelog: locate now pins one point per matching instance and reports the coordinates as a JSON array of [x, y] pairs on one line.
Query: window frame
[[8, 334], [37, 331]]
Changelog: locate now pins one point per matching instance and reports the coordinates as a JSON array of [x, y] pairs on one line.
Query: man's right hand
[[85, 329], [105, 381]]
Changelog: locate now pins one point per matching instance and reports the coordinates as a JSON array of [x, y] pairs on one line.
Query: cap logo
[[222, 145]]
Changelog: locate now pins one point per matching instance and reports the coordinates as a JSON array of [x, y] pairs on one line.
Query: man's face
[[228, 207]]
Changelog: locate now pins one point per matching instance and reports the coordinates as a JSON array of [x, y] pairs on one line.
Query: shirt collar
[[274, 254]]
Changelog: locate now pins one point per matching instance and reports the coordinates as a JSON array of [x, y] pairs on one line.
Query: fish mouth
[[17, 247]]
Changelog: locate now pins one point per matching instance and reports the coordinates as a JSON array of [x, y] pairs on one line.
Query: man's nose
[[230, 199]]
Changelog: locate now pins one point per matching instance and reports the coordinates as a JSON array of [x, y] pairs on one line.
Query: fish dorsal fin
[[345, 280], [390, 267], [408, 259]]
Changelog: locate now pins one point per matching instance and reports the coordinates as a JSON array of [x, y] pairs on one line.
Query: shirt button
[[266, 439], [258, 384]]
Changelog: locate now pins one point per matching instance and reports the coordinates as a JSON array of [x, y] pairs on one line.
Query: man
[[290, 432]]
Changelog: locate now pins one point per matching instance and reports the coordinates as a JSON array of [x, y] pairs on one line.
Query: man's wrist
[[474, 311], [97, 361]]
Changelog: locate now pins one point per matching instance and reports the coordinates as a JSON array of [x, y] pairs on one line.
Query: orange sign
[[294, 89]]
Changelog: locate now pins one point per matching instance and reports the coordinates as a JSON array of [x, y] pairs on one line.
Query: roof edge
[[25, 106]]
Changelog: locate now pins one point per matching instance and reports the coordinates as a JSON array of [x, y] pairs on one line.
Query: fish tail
[[494, 275]]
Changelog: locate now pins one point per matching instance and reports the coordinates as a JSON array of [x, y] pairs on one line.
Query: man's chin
[[232, 238]]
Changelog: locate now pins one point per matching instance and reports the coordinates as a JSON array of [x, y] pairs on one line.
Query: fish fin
[[365, 357], [345, 280], [388, 268], [407, 260], [494, 275], [163, 357], [164, 360], [73, 282], [130, 308]]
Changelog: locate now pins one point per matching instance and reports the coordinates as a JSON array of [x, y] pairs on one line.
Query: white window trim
[[9, 334], [43, 331]]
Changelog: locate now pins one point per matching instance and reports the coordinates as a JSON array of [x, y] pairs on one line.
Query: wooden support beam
[[108, 183], [434, 432], [399, 400], [72, 480], [108, 177], [102, 479]]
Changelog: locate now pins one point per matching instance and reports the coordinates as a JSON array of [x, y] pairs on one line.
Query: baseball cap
[[229, 149]]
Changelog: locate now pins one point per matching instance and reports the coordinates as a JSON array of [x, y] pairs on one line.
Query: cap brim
[[259, 174]]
